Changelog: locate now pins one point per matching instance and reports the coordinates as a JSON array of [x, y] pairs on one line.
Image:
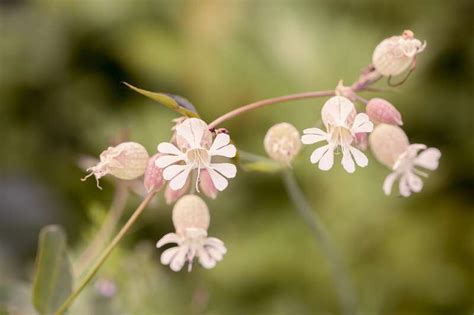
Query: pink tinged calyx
[[153, 178], [380, 111], [127, 161]]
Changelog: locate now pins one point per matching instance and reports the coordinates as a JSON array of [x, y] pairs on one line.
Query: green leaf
[[175, 102], [263, 166], [53, 279]]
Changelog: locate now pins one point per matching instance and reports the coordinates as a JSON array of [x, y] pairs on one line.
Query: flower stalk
[[311, 218]]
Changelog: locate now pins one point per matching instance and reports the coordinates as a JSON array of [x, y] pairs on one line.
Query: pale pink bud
[[361, 140], [153, 179], [173, 195], [387, 143], [127, 161], [282, 142], [396, 54], [380, 111], [206, 184], [190, 212]]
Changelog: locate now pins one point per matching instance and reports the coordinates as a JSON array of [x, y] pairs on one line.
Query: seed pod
[[153, 179], [190, 212], [387, 143], [127, 161], [282, 142], [380, 111], [396, 54]]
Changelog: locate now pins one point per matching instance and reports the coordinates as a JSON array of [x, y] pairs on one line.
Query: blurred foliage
[[61, 67]]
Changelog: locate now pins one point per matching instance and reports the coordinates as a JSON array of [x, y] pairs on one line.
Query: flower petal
[[318, 153], [168, 255], [179, 180], [227, 169], [167, 239], [313, 135], [192, 130], [179, 258], [169, 148], [388, 183], [362, 124], [414, 182], [221, 140], [336, 111], [205, 259], [347, 161], [404, 187], [218, 180], [428, 159], [166, 160], [359, 157], [228, 151], [327, 160], [173, 170]]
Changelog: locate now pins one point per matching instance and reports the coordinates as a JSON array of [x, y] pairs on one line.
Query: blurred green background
[[61, 67]]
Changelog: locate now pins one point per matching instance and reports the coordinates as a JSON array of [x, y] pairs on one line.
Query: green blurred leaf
[[53, 279], [175, 102], [263, 166]]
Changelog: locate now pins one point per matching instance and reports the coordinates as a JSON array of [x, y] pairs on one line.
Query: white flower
[[191, 221], [194, 152], [405, 169], [342, 124]]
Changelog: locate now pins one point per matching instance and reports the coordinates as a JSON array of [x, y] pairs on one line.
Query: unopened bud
[[387, 143], [153, 179], [396, 54], [190, 212], [282, 142], [380, 111], [206, 184], [172, 195], [127, 161]]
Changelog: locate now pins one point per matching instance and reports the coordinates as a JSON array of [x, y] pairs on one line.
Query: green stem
[[341, 279], [95, 268]]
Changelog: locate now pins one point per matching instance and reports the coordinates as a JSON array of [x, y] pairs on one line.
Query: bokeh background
[[61, 97]]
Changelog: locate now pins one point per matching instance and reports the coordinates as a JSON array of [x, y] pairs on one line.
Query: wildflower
[[396, 54], [127, 161], [342, 124], [381, 111], [390, 145], [191, 221], [194, 151], [282, 142]]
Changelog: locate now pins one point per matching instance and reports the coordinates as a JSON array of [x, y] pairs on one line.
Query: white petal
[[215, 253], [318, 153], [168, 238], [192, 130], [415, 182], [166, 160], [178, 182], [362, 124], [347, 161], [217, 243], [336, 110], [359, 157], [221, 140], [404, 187], [327, 160], [205, 259], [168, 148], [218, 180], [226, 169], [173, 170], [179, 258], [428, 159], [168, 255], [388, 183], [313, 135], [227, 151]]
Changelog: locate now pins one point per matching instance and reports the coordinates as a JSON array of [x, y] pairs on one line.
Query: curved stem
[[95, 268], [269, 101], [341, 279]]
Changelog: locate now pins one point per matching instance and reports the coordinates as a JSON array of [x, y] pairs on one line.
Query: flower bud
[[127, 160], [396, 54], [388, 142], [282, 142], [153, 179], [207, 186], [380, 111], [190, 212], [173, 195]]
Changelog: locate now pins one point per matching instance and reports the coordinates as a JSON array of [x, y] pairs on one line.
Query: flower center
[[341, 135], [198, 157]]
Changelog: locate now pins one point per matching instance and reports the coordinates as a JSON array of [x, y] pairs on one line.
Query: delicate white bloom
[[396, 54], [191, 221], [282, 142], [405, 170], [127, 160], [342, 124], [194, 152]]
